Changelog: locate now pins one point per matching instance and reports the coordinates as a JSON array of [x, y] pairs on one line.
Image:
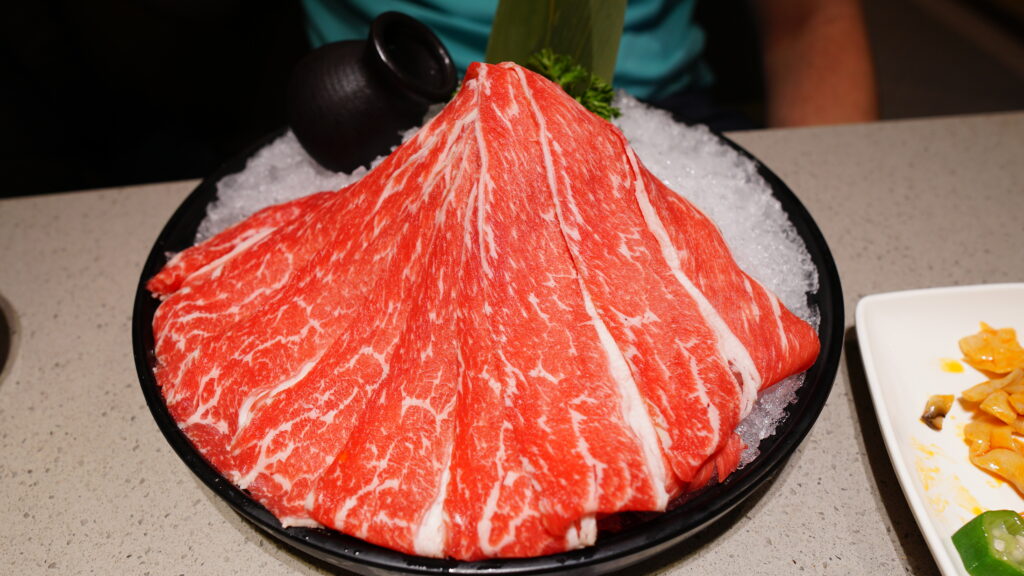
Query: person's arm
[[817, 62]]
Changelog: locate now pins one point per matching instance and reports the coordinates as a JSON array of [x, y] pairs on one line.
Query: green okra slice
[[992, 544]]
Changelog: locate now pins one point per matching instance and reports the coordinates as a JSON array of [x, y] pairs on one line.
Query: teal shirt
[[659, 54]]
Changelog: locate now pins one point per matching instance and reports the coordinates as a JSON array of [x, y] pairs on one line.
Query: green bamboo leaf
[[587, 30]]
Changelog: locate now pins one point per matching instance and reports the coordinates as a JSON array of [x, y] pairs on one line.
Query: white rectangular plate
[[905, 339]]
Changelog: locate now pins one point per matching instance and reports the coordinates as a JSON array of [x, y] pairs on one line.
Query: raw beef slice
[[504, 332]]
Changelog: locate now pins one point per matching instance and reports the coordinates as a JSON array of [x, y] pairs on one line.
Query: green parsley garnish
[[592, 91]]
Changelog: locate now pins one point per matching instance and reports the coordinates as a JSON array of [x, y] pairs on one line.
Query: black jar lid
[[417, 59]]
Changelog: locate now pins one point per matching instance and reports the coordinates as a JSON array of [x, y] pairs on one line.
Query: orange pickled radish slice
[[993, 350]]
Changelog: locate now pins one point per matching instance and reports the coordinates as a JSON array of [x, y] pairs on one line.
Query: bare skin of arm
[[817, 62]]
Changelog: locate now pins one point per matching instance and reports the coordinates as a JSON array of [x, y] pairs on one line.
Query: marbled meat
[[505, 331]]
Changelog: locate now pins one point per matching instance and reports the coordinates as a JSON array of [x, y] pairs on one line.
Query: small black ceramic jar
[[349, 101]]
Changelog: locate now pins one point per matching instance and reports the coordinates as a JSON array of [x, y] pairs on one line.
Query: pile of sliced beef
[[506, 331]]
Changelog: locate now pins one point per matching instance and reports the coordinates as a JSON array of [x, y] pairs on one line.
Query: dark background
[[109, 92], [115, 92]]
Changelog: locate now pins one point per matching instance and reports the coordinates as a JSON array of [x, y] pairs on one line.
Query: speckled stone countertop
[[89, 486]]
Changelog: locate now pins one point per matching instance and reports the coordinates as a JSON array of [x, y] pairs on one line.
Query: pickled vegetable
[[935, 410], [1007, 464], [993, 350], [1008, 383], [995, 432], [998, 404]]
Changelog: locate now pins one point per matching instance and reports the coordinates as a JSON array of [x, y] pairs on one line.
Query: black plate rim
[[611, 553]]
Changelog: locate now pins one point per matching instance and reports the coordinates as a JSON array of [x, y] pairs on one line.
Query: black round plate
[[612, 552]]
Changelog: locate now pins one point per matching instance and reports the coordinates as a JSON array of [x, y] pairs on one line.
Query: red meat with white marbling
[[506, 331]]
